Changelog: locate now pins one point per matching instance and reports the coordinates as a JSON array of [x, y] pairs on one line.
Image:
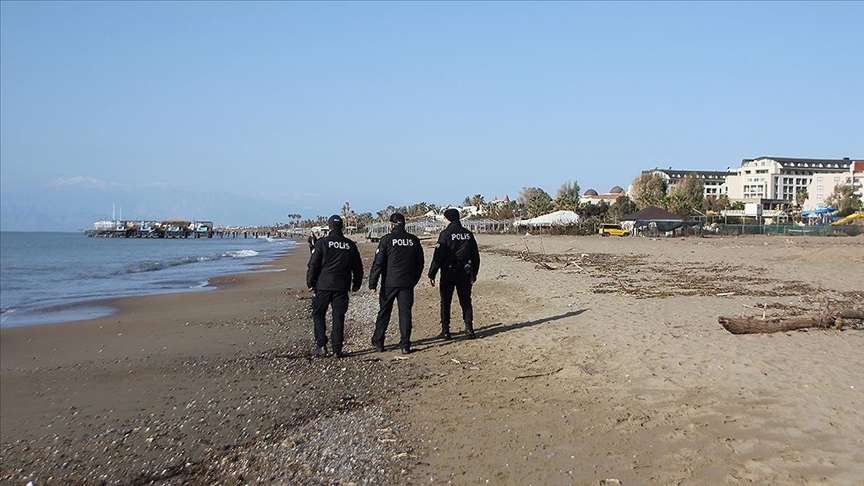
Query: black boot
[[469, 331]]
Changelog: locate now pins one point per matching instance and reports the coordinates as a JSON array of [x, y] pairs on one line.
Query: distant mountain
[[77, 207]]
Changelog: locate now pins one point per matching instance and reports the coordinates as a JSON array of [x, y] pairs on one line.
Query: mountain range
[[75, 207]]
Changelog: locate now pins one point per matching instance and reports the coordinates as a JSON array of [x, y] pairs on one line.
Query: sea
[[50, 278]]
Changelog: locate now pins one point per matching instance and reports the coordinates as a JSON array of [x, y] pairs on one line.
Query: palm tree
[[567, 197], [800, 198], [477, 200]]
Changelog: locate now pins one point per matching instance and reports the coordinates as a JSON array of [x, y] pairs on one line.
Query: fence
[[783, 229], [433, 227]]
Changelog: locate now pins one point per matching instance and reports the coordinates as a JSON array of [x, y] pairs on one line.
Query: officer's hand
[[473, 278], [312, 289], [432, 281], [373, 291]]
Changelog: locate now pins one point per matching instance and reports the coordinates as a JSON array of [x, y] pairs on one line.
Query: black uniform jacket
[[456, 248], [398, 261], [335, 264]]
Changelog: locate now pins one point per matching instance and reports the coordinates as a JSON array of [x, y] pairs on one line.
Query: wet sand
[[600, 360]]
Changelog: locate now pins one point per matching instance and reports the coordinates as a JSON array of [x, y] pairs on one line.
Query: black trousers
[[338, 301], [405, 300], [462, 285]]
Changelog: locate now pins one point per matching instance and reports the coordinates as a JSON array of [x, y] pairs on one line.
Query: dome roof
[[616, 190], [590, 192]]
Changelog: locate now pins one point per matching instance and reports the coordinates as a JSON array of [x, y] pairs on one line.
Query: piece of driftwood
[[755, 325], [537, 375], [573, 264]]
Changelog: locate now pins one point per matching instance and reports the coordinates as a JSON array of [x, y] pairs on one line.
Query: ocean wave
[[287, 242], [155, 266], [240, 253]]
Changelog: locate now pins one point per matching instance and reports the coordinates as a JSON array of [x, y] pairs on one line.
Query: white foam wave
[[241, 253], [5, 313]]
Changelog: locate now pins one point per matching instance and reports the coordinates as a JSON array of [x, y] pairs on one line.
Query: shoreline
[[167, 386], [170, 308], [597, 359], [56, 299]]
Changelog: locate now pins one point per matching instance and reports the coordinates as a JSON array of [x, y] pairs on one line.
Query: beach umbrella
[[815, 213]]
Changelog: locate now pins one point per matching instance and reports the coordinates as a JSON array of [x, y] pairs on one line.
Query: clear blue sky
[[307, 105]]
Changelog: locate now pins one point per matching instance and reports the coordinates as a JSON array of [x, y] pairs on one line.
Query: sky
[[245, 112]]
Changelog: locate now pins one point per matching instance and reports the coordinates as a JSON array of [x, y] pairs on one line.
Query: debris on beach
[[644, 277], [840, 320]]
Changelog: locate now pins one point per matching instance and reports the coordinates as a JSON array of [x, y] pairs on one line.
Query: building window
[[819, 179], [820, 188]]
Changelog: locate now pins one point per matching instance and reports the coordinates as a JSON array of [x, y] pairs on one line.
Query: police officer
[[399, 265], [311, 241], [334, 267], [458, 258]]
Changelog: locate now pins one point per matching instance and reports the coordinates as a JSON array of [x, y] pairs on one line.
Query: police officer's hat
[[452, 214], [397, 218], [335, 222]]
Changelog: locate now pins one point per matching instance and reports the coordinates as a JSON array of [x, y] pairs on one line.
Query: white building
[[774, 182], [591, 196], [780, 179], [822, 185], [712, 181]]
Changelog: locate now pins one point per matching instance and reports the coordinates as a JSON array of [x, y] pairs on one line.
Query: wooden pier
[[178, 229]]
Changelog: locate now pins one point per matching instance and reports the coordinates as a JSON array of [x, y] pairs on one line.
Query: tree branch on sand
[[840, 320]]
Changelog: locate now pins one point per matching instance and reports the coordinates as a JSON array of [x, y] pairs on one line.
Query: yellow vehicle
[[612, 229]]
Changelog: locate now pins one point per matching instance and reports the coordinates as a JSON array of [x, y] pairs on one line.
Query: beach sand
[[599, 361]]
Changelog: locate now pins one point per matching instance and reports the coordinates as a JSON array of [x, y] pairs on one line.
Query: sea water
[[48, 278]]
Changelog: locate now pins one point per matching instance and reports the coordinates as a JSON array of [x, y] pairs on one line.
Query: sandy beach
[[599, 361]]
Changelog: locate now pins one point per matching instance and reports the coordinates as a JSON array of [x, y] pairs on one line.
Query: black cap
[[397, 218], [335, 222], [452, 215]]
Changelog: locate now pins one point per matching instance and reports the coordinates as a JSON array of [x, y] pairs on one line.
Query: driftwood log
[[754, 325]]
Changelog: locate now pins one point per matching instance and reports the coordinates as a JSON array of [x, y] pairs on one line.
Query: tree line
[[685, 199]]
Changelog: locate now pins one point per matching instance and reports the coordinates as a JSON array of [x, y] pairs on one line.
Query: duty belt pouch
[[459, 267]]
